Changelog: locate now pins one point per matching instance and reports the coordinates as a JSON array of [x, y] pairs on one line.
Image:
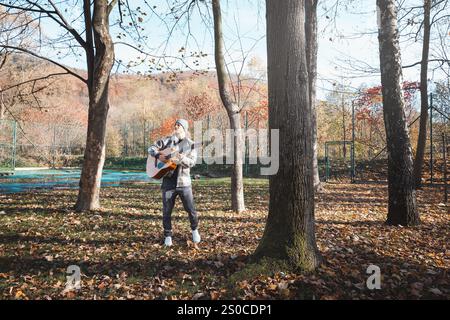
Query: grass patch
[[265, 267]]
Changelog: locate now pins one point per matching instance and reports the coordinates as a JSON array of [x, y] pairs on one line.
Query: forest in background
[[52, 122]]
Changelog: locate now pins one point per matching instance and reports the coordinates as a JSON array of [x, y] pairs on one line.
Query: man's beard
[[178, 135]]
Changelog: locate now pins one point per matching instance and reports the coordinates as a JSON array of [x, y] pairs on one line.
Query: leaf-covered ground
[[119, 248]]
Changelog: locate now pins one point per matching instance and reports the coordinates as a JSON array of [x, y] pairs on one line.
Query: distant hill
[[66, 95]]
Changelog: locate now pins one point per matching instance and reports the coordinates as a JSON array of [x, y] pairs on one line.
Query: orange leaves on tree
[[166, 128], [373, 95], [370, 102], [198, 106], [258, 115]]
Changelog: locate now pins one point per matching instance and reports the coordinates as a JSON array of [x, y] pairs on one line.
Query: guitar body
[[158, 169]]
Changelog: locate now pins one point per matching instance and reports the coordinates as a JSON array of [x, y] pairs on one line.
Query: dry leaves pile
[[119, 248]]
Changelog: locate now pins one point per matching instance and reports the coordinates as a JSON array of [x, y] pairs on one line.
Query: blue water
[[27, 180]]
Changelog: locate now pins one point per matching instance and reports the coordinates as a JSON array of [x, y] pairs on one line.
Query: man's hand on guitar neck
[[173, 158]]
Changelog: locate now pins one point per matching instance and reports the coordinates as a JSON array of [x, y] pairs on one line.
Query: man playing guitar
[[178, 181]]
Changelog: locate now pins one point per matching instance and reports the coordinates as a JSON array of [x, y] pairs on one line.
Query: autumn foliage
[[198, 106]]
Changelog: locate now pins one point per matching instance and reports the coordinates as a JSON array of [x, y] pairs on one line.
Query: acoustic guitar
[[158, 168]]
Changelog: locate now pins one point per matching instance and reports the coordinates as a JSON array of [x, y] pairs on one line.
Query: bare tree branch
[[46, 59], [33, 80]]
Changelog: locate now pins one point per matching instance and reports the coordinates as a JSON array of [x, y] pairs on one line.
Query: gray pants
[[187, 199]]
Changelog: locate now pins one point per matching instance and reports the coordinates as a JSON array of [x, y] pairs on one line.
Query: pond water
[[27, 180]]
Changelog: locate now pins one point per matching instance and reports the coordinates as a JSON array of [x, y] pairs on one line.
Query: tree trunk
[[289, 234], [422, 139], [237, 183], [402, 209], [98, 72], [311, 53], [233, 111], [316, 176]]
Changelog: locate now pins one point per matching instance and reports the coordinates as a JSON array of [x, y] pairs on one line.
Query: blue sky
[[351, 35]]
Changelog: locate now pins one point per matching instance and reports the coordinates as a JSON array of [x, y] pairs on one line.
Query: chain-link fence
[[62, 145], [7, 146], [49, 145], [370, 146]]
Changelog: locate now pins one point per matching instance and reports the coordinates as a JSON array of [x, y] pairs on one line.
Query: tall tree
[[95, 40], [420, 151], [402, 208], [233, 111], [290, 232], [100, 59], [311, 53]]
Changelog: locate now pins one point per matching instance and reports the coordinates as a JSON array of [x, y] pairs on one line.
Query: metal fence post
[[353, 142], [54, 147], [431, 138], [246, 145], [207, 129], [14, 145], [327, 165], [444, 155]]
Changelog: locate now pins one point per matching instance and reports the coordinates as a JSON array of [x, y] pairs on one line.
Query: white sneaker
[[168, 241], [195, 236]]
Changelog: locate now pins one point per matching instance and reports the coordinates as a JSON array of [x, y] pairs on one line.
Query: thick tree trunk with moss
[[422, 140], [402, 208], [100, 60], [290, 232], [233, 111]]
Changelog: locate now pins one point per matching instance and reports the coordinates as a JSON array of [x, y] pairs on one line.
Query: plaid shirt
[[188, 158]]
